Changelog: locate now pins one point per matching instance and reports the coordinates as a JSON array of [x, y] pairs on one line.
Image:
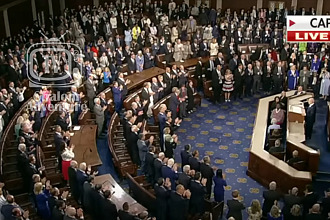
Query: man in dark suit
[[167, 80], [133, 137], [124, 213], [73, 183], [277, 77], [270, 197], [199, 74], [162, 191], [309, 200], [315, 213], [207, 173], [284, 55], [81, 176], [170, 171], [174, 103], [63, 121], [209, 68], [90, 91], [158, 164], [179, 203], [233, 63], [235, 207], [131, 64], [59, 144], [194, 162], [7, 208], [59, 210], [149, 161], [310, 118], [185, 155], [109, 210], [217, 77], [289, 200], [184, 177], [198, 192]]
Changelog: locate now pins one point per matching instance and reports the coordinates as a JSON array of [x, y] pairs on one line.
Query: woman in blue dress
[[41, 198], [219, 186], [315, 65], [293, 76]]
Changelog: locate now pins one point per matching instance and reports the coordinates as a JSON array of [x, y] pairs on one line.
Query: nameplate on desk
[[76, 128], [296, 109], [71, 134]]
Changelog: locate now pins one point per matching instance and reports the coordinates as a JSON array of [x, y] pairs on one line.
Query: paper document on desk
[[76, 128], [296, 109]]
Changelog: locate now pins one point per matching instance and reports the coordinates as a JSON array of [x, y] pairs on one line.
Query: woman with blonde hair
[[41, 198], [214, 47], [228, 85], [106, 76], [255, 211], [275, 213], [295, 213]]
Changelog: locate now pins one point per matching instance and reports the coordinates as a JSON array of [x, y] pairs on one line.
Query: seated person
[[273, 125], [278, 148], [300, 91], [277, 101], [276, 133], [278, 114], [294, 159]]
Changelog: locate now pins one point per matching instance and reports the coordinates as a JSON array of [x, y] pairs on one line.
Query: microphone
[[40, 32]]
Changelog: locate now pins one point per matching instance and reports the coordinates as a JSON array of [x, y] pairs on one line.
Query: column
[[219, 4], [259, 4], [50, 6], [62, 6], [294, 3], [96, 3], [319, 7], [34, 10], [6, 21]]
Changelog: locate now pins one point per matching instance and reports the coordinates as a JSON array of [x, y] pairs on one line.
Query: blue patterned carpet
[[224, 133]]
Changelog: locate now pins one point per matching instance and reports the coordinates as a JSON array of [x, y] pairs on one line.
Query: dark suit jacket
[[270, 196], [145, 95], [167, 172], [109, 210], [58, 140], [314, 216], [184, 179], [198, 192], [232, 65], [185, 157], [62, 123], [308, 201], [235, 209], [125, 215], [310, 115], [158, 169], [131, 65], [173, 103], [178, 207], [289, 201], [149, 161], [207, 172], [194, 164]]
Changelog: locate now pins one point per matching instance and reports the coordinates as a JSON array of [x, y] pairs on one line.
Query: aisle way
[[224, 133]]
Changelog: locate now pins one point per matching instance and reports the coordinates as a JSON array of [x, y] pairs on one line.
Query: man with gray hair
[[273, 125], [289, 200], [170, 171], [270, 197], [99, 114], [184, 177], [314, 212]]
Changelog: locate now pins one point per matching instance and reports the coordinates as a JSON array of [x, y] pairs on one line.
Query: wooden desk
[[190, 62], [264, 167], [85, 145], [137, 79], [120, 196]]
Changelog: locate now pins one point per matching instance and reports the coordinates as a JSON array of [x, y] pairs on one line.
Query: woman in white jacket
[[214, 47]]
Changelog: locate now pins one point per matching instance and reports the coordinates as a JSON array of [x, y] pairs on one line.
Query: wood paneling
[[307, 4], [238, 5], [2, 26], [326, 6], [19, 17]]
